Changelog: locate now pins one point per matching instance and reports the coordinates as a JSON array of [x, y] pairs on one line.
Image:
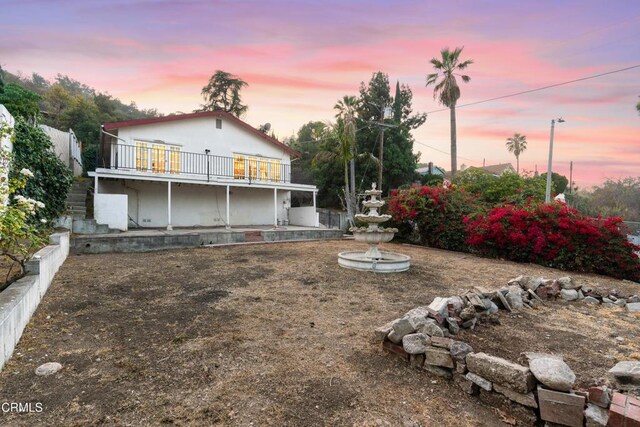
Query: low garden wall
[[541, 385], [19, 301]]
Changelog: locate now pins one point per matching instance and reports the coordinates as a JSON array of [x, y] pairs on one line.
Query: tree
[[447, 91], [560, 182], [347, 106], [222, 93], [516, 145], [399, 160], [20, 102], [638, 107]]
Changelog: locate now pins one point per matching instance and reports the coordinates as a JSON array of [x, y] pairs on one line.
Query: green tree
[[307, 142], [20, 102], [347, 106], [516, 144], [399, 160], [447, 91], [560, 182], [223, 93]]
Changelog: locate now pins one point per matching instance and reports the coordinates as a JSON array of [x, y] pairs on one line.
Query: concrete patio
[[142, 240]]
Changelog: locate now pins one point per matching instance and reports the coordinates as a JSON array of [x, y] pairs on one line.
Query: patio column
[[228, 224], [314, 200], [95, 183], [169, 227], [275, 207]]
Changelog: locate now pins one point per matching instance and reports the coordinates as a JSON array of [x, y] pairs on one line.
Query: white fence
[[19, 301], [67, 148]]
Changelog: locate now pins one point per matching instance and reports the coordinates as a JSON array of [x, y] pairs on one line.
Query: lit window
[[174, 159], [238, 166], [141, 156], [275, 170], [158, 158]]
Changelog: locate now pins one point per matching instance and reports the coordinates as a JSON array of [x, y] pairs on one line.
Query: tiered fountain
[[374, 259]]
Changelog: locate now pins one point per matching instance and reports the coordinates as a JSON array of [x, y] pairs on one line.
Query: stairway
[[77, 198]]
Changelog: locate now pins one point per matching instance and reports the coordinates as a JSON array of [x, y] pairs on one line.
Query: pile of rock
[[541, 382], [565, 288]]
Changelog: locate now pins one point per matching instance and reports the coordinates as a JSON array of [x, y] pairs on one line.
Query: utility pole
[[547, 195], [381, 150], [571, 177]]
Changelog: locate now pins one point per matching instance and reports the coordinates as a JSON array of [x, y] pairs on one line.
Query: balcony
[[166, 160]]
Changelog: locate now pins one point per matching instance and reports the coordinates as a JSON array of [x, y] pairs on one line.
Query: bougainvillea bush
[[554, 235], [435, 213]]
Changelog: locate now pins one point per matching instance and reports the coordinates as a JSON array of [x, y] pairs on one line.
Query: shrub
[[20, 235], [436, 213], [555, 235], [33, 150]]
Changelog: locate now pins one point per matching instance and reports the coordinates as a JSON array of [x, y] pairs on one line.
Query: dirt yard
[[276, 335]]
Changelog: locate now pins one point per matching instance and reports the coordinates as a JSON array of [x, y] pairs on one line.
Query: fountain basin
[[373, 204], [373, 219], [390, 262], [373, 237]]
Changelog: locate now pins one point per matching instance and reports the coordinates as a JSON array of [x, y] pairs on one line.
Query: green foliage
[[20, 102], [436, 213], [20, 235], [507, 188], [431, 180], [70, 104], [399, 161], [222, 92], [33, 150], [559, 182], [619, 197]]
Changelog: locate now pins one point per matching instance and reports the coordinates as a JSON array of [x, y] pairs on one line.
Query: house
[[430, 169], [202, 169], [496, 170]]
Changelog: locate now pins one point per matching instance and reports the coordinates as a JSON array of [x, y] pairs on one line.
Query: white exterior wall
[[112, 210], [196, 135], [196, 205], [304, 216]]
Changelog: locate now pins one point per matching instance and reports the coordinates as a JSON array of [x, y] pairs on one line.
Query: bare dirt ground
[[276, 335]]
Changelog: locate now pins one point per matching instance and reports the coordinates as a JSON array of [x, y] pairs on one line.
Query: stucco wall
[[112, 210], [196, 205], [304, 216], [6, 117], [196, 135]]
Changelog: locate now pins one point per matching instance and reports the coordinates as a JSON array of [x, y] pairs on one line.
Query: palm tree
[[516, 145], [347, 106], [447, 90]]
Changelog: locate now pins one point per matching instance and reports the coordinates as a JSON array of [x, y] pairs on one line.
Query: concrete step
[[80, 204], [90, 226], [253, 236]]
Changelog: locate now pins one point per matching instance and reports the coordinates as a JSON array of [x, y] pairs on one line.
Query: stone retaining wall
[[20, 299], [541, 384]]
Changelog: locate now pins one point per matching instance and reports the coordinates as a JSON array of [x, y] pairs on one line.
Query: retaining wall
[[19, 301]]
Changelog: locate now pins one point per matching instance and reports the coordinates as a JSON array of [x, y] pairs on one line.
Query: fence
[[172, 160], [67, 147], [333, 219]]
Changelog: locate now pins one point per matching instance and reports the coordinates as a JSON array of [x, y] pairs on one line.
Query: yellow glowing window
[[141, 156], [158, 158], [174, 159], [275, 170], [253, 167], [263, 166], [238, 166]]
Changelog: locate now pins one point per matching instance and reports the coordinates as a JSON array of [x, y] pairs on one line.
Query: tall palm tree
[[447, 90], [516, 145], [347, 106]]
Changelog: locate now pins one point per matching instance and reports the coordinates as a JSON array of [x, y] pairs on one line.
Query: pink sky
[[299, 57]]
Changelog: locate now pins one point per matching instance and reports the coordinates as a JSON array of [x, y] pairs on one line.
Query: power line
[[537, 89], [444, 152]]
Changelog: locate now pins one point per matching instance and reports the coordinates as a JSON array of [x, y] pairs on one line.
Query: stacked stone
[[538, 289], [542, 382]]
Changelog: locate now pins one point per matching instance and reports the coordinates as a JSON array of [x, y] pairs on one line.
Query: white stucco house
[[202, 169]]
